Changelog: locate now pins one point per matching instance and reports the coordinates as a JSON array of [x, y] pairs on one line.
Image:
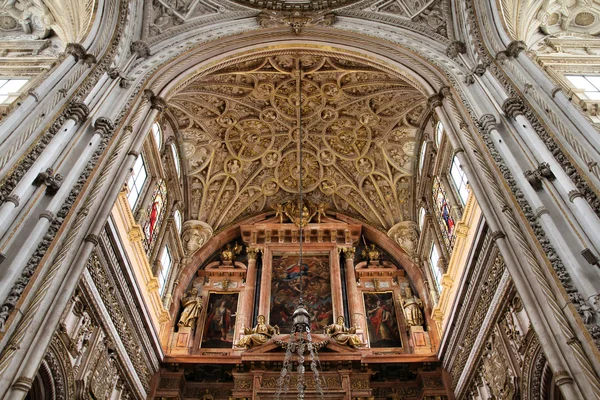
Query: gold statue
[[342, 335], [321, 211], [229, 252], [192, 306], [412, 306], [279, 212], [371, 253], [259, 334], [299, 216]]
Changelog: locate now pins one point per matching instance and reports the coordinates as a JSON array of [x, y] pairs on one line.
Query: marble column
[[357, 316]]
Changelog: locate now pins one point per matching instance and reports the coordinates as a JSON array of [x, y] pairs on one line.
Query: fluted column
[[248, 296], [357, 316]]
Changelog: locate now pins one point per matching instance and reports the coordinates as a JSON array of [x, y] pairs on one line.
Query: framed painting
[[382, 324], [312, 279], [219, 325]]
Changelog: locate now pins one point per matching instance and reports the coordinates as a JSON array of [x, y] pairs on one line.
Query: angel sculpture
[[229, 252], [343, 335], [260, 334]]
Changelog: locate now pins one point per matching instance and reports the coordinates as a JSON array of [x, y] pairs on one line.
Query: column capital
[[140, 49], [252, 253], [455, 48], [78, 111], [515, 47], [158, 103], [76, 50], [513, 106], [349, 253], [104, 125], [488, 123], [435, 100]]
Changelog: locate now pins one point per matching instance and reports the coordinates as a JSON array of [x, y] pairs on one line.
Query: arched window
[[443, 212], [178, 220], [459, 178], [155, 212], [439, 133], [166, 262], [157, 135], [136, 181], [422, 155], [176, 159], [422, 213], [434, 258]]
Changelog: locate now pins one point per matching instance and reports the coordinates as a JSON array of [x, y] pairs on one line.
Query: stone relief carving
[[194, 235], [406, 235]]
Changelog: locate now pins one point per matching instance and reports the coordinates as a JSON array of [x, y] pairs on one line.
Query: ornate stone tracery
[[239, 129]]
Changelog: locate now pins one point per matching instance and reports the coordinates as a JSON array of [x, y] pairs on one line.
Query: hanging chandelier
[[300, 341]]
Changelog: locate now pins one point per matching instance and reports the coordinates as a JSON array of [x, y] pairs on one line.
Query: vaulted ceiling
[[239, 130]]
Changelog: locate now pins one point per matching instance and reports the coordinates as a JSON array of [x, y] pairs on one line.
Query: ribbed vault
[[239, 136]]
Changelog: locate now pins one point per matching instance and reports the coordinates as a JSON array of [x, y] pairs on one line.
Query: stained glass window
[[155, 213], [443, 212]]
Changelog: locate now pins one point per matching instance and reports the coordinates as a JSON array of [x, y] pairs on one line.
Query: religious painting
[[219, 325], [381, 320], [289, 280]]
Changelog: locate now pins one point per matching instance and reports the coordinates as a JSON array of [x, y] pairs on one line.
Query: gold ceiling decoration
[[240, 138]]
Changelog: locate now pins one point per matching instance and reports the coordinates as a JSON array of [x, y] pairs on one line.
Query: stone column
[[247, 309], [356, 311], [551, 170], [23, 362], [78, 112]]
